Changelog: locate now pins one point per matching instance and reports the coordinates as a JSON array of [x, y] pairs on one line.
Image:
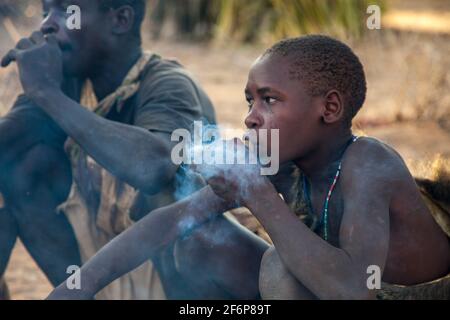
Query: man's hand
[[39, 60], [234, 183]]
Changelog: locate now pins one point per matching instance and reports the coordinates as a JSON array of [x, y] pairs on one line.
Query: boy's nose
[[254, 119]]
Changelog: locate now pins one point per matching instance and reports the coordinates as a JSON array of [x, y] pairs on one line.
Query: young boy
[[355, 208]]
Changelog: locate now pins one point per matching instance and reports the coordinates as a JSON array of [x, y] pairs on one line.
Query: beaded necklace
[[324, 221]]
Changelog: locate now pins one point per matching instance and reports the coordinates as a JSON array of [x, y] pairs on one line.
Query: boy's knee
[[271, 267], [271, 263], [276, 282]]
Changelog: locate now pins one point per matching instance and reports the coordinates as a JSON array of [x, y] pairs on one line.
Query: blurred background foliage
[[240, 20], [249, 21]]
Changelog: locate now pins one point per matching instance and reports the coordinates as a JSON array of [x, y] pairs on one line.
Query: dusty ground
[[408, 104]]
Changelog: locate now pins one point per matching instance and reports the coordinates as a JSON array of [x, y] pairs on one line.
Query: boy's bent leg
[[221, 260], [277, 283]]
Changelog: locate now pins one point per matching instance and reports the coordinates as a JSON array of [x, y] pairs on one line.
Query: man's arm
[[327, 271], [133, 154], [142, 241]]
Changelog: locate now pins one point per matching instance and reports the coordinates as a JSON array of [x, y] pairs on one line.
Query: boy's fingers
[[37, 37], [10, 57]]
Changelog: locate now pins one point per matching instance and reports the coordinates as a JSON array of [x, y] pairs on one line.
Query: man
[[355, 207], [35, 178], [120, 153]]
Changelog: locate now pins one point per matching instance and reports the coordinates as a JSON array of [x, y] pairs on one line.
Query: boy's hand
[[63, 293], [39, 60], [234, 183]]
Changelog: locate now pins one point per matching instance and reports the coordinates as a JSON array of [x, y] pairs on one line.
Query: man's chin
[[68, 73], [70, 68]]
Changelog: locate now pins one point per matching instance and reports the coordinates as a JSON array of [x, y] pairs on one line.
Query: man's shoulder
[[161, 71], [166, 80]]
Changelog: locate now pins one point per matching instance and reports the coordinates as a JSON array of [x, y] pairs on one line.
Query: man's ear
[[334, 107], [123, 19]]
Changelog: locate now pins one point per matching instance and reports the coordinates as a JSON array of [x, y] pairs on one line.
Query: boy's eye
[[270, 100], [250, 102]]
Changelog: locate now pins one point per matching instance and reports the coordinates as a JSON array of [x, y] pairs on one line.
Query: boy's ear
[[123, 19], [334, 107]]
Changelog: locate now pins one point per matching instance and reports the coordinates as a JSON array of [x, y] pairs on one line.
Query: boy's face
[[81, 48], [278, 101]]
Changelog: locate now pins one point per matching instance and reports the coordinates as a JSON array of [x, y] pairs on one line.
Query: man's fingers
[[24, 44], [51, 39], [10, 57], [37, 37]]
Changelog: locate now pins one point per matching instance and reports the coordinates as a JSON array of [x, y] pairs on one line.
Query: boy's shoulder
[[372, 160]]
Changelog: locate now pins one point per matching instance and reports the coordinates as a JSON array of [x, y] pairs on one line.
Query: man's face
[[277, 101], [81, 48]]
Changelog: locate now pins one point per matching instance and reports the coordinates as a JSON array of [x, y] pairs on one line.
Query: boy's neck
[[323, 163]]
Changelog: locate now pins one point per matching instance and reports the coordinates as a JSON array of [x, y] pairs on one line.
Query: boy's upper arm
[[370, 174]]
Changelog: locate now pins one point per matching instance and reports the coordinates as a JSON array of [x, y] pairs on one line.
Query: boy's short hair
[[139, 7], [323, 64]]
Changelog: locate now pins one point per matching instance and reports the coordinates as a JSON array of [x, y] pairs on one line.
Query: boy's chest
[[334, 214]]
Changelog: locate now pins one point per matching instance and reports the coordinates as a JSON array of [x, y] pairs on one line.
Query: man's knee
[[38, 181]]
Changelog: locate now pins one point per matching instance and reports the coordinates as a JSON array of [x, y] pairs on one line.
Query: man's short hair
[[322, 64], [139, 7]]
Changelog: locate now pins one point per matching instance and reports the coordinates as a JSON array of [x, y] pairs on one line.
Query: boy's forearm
[[128, 250], [147, 238]]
